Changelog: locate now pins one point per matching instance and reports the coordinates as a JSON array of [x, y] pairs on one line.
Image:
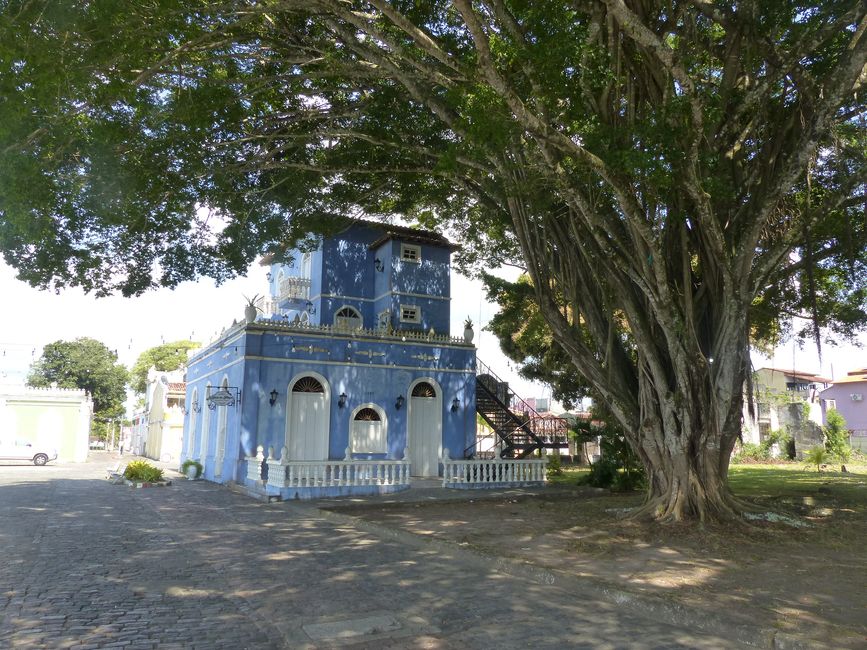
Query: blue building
[[346, 379]]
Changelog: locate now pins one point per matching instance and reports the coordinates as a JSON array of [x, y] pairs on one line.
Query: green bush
[[837, 436], [141, 470], [555, 467], [602, 473], [817, 456], [761, 453], [189, 462], [751, 452]]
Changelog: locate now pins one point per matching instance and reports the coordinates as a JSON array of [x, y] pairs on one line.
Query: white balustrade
[[373, 333], [254, 465], [294, 288], [493, 471], [330, 473]]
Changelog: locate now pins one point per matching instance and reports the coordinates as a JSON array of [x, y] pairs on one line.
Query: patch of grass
[[796, 480], [569, 475]]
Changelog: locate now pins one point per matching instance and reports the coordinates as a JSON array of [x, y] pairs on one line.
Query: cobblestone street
[[87, 564]]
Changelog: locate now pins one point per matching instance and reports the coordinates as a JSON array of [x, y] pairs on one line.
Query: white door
[[308, 424], [425, 430]]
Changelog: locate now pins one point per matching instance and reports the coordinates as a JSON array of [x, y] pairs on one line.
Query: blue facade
[[355, 357]]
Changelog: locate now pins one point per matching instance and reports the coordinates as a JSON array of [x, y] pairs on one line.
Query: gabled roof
[[853, 377], [805, 376], [389, 231], [414, 235]]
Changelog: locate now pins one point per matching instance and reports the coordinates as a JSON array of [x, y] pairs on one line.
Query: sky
[[199, 310], [194, 310]]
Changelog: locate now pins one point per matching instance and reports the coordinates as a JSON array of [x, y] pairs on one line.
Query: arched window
[[347, 318], [368, 431], [368, 415], [306, 264], [424, 389], [308, 385]]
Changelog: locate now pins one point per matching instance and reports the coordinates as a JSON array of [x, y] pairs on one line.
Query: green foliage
[[192, 463], [837, 436], [619, 467], [141, 470], [751, 452], [665, 176], [86, 364], [603, 473], [555, 466], [165, 358], [817, 456], [527, 340]]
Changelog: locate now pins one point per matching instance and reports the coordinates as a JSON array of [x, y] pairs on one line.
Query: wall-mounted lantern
[[456, 403], [398, 403], [196, 407], [268, 276], [274, 395], [378, 265], [341, 401], [310, 308]]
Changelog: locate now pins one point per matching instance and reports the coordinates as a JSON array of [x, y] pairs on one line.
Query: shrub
[[189, 462], [837, 436], [817, 456], [602, 472], [141, 470], [554, 465], [751, 452]]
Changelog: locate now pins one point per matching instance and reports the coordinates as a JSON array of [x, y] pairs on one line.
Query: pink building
[[847, 395]]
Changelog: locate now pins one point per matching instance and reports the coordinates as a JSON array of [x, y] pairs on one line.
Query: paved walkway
[[87, 564]]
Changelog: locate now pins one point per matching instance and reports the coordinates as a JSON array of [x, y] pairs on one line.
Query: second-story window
[[410, 314], [347, 318], [410, 253]]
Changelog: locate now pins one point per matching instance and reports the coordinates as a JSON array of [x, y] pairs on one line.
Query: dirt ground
[[806, 573]]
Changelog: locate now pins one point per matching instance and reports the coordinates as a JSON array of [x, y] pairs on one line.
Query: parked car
[[97, 444], [23, 450]]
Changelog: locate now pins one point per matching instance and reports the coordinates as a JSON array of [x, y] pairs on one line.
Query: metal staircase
[[514, 423]]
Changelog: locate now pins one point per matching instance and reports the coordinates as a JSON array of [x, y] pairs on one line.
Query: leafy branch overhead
[[674, 177]]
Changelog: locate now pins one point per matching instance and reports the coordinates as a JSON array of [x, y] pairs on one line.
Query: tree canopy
[[85, 364], [674, 176], [165, 357]]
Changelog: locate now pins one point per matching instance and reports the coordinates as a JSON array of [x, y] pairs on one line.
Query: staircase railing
[[521, 419], [507, 402]]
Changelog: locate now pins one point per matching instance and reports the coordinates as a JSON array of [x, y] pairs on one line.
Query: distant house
[[775, 392], [58, 418], [849, 397], [158, 428]]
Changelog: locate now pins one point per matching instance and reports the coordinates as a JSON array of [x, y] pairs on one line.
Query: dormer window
[[410, 314], [410, 253]]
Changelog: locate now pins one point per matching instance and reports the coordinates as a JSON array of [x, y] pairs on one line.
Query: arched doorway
[[425, 429], [192, 409], [222, 426], [308, 423], [206, 429]]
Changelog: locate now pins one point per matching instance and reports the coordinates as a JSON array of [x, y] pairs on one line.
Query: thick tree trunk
[[689, 484], [686, 438]]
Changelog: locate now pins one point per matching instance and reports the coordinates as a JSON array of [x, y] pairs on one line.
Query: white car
[[23, 450]]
